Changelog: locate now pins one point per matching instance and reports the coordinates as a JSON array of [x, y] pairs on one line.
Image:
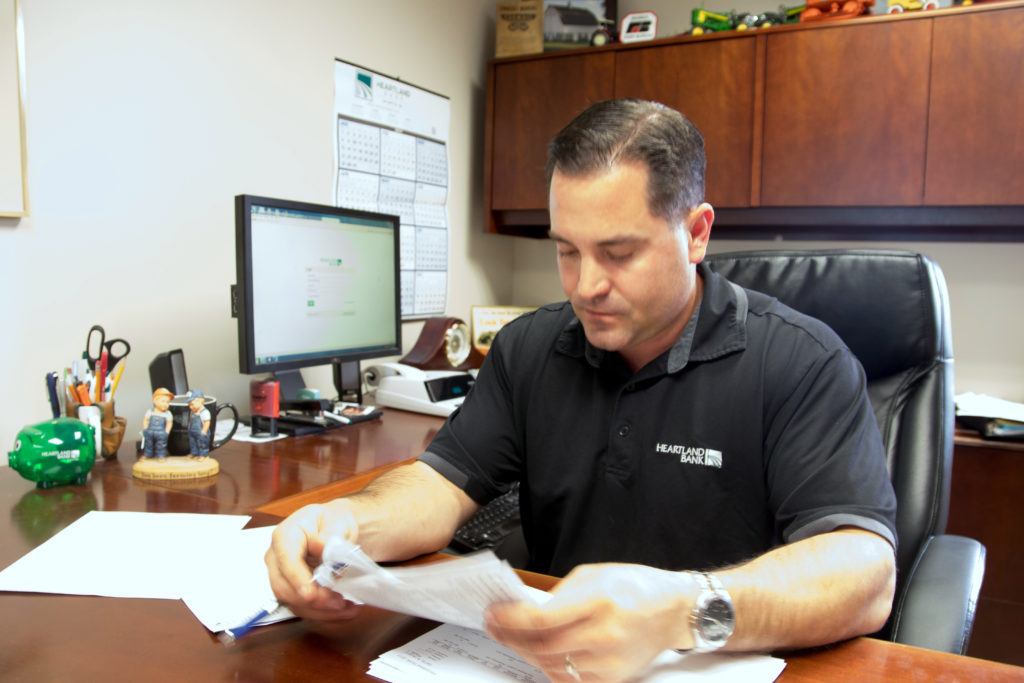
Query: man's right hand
[[393, 528], [296, 549]]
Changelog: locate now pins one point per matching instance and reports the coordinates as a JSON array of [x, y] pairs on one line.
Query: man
[[664, 424]]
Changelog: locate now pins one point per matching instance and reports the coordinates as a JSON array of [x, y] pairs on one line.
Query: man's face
[[162, 402], [630, 276]]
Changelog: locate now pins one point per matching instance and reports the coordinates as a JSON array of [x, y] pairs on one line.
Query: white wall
[[146, 118]]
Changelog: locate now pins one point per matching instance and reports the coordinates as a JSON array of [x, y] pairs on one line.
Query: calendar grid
[[387, 167]]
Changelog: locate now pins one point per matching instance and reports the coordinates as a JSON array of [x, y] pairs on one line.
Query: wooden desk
[[985, 504], [79, 638]]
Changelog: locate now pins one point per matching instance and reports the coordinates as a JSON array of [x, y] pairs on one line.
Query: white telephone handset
[[435, 392], [374, 374]]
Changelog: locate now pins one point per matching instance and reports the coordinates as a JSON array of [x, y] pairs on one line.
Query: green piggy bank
[[55, 452]]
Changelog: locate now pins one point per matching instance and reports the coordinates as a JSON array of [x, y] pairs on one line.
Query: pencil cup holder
[[111, 426]]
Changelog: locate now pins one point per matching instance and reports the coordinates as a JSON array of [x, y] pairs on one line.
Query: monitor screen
[[316, 285]]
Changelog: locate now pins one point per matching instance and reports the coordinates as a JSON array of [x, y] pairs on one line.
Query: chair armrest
[[940, 595]]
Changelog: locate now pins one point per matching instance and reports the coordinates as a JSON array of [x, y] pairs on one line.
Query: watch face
[[716, 621], [456, 344]]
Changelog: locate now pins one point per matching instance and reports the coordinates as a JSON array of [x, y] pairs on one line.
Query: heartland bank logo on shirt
[[692, 455]]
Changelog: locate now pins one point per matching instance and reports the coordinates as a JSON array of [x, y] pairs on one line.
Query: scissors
[[116, 348]]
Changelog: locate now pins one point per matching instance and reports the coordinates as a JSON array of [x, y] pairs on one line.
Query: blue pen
[[51, 389], [230, 636]]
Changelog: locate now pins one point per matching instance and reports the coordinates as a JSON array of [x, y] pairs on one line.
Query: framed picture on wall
[[572, 24], [487, 320]]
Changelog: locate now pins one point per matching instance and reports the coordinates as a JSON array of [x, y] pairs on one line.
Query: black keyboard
[[491, 524]]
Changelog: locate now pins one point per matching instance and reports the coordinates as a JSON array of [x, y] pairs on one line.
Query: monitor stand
[[291, 381], [348, 380]]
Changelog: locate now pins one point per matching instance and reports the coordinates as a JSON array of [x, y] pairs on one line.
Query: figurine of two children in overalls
[[157, 423]]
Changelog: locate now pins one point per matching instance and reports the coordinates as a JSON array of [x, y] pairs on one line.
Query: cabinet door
[[976, 124], [846, 115], [711, 82], [533, 100]]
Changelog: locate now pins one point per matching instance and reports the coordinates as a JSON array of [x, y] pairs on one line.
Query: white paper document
[[454, 592], [233, 585], [981, 405], [123, 555], [460, 655], [244, 433]]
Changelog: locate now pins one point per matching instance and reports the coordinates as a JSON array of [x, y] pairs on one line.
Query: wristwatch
[[713, 618]]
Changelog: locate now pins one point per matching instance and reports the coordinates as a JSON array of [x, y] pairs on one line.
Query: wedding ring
[[570, 668]]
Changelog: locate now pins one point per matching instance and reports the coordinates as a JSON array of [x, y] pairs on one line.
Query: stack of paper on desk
[[459, 655], [234, 584], [457, 593], [994, 418], [123, 555], [206, 560]]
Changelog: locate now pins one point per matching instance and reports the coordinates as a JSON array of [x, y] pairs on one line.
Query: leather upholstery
[[892, 310]]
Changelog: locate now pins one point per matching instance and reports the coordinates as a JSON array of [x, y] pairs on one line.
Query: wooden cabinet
[[908, 123], [846, 115], [533, 100], [712, 83], [976, 122]]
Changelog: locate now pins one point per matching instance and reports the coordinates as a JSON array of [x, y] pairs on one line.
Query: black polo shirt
[[753, 430]]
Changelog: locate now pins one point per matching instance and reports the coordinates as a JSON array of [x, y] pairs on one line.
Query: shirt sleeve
[[824, 456], [478, 448]]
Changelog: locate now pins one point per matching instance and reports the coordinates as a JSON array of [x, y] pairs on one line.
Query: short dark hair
[[625, 130]]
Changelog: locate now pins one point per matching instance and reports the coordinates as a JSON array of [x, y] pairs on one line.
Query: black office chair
[[892, 310]]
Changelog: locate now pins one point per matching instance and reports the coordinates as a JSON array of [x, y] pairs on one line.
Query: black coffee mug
[[177, 442]]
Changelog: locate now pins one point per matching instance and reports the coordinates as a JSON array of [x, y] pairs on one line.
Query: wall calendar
[[391, 156]]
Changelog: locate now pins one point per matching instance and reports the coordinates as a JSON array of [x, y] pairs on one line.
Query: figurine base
[[175, 467]]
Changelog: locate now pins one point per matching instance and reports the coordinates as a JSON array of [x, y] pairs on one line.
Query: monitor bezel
[[244, 274]]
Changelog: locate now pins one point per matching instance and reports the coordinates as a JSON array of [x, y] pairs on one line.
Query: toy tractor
[[784, 15], [830, 10], [704, 21], [898, 6]]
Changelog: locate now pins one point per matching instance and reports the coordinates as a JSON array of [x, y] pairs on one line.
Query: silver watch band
[[713, 618]]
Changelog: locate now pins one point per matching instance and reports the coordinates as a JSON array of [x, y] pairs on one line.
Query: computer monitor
[[316, 285]]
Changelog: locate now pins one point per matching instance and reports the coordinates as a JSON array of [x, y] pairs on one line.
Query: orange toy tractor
[[828, 10]]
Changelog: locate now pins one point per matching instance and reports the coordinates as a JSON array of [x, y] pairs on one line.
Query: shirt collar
[[717, 328]]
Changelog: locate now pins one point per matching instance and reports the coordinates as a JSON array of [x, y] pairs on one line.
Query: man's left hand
[[604, 622]]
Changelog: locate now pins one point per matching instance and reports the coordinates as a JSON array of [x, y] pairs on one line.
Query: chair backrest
[[892, 310]]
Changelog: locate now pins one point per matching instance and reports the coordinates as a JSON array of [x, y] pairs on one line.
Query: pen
[[117, 378], [62, 392], [230, 636], [101, 376], [51, 390]]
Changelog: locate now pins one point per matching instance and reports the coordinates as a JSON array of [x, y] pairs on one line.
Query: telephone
[[434, 392]]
